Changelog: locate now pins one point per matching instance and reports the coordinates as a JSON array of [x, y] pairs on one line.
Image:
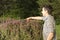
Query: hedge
[[21, 30]]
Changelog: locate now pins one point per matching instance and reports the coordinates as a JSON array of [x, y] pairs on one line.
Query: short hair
[[48, 8]]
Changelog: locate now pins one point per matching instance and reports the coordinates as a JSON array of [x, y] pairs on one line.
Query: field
[[58, 31]]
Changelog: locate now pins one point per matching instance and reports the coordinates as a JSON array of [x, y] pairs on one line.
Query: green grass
[[58, 31]]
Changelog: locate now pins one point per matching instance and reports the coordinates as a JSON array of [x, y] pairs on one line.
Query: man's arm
[[50, 36], [37, 18]]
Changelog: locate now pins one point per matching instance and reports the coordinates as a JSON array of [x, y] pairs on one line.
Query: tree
[[28, 8]]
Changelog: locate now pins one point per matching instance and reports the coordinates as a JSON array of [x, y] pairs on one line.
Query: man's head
[[46, 9]]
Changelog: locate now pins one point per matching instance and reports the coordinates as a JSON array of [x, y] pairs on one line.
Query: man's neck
[[47, 14]]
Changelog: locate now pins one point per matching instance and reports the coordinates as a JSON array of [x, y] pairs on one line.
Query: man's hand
[[29, 18]]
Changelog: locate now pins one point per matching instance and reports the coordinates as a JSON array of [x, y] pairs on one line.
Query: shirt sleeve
[[43, 18]]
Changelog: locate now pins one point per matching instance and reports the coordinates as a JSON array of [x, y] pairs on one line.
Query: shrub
[[21, 30]]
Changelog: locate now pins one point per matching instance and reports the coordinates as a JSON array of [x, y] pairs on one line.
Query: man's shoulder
[[51, 18]]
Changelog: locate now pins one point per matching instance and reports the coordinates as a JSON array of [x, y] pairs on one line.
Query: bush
[[21, 30]]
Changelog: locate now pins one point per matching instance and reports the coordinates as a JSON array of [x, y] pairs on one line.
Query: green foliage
[[19, 8], [27, 8]]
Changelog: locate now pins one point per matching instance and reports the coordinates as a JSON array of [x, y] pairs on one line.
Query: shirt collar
[[46, 17]]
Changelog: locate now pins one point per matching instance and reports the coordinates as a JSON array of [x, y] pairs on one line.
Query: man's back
[[49, 26]]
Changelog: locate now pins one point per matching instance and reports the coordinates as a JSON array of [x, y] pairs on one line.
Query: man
[[49, 32]]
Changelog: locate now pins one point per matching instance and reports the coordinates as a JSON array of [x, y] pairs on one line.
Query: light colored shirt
[[49, 26]]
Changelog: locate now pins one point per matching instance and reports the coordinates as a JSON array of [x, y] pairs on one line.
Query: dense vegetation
[[21, 30], [26, 8]]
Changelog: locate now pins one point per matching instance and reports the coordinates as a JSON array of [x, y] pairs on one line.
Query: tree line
[[26, 8]]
